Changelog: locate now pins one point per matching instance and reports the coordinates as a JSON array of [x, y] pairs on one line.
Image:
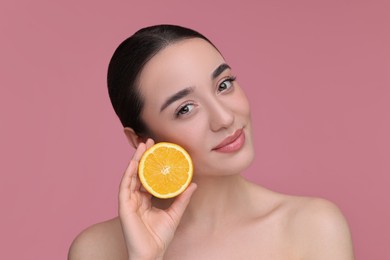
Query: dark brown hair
[[127, 63]]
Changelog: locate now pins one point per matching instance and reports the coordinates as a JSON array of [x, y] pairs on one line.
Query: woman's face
[[191, 98]]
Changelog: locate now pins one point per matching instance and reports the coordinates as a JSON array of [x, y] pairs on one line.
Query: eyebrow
[[182, 93], [218, 71], [185, 92]]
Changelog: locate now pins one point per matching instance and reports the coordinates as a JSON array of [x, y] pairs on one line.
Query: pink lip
[[231, 143]]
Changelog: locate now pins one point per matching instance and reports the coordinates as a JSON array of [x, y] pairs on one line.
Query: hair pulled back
[[127, 63]]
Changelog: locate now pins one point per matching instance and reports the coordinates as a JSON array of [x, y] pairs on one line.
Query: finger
[[127, 181], [149, 143], [177, 208], [138, 186], [130, 181], [135, 182], [141, 149], [139, 152]]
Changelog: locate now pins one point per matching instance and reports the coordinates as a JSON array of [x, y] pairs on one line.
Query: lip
[[231, 143]]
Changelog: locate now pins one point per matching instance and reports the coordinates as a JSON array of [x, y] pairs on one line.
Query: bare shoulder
[[100, 241], [319, 228]]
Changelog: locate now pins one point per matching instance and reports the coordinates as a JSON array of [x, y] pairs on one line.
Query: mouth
[[231, 143]]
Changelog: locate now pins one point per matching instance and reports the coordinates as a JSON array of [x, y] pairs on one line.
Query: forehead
[[183, 64]]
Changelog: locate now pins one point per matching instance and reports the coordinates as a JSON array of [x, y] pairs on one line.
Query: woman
[[169, 83]]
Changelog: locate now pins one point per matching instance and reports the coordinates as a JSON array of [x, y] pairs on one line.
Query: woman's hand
[[147, 230]]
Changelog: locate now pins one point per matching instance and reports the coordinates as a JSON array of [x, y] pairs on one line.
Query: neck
[[217, 200]]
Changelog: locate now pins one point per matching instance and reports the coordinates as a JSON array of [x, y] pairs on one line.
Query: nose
[[221, 116]]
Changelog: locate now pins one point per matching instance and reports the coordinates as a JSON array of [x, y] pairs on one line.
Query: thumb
[[177, 208]]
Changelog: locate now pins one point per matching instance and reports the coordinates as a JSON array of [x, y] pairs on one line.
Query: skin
[[220, 215]]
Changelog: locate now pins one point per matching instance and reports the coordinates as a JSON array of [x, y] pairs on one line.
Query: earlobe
[[132, 137]]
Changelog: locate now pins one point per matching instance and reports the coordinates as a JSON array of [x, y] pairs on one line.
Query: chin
[[242, 161], [244, 157], [227, 164]]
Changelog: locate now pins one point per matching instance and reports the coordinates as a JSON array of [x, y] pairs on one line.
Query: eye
[[226, 84], [184, 109]]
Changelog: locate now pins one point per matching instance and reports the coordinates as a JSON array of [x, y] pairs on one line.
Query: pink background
[[316, 73]]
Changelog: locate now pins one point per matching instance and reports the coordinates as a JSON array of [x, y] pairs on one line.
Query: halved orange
[[165, 170]]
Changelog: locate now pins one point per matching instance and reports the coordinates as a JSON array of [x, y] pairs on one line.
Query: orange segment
[[165, 170]]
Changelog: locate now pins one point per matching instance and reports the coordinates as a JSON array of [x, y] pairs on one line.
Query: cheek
[[189, 135], [242, 102]]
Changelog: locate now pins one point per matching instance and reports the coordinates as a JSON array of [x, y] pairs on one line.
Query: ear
[[132, 137]]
